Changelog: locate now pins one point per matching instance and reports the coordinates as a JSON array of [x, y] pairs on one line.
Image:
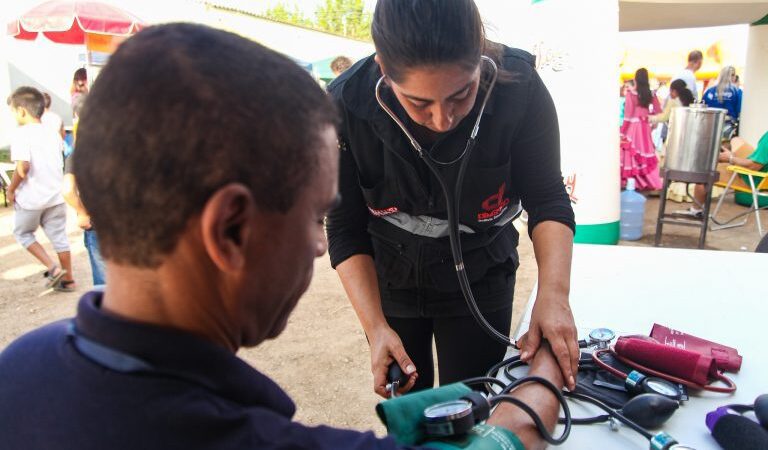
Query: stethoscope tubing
[[452, 199], [568, 420]]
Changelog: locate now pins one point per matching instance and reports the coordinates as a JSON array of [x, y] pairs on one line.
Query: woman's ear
[[381, 67], [226, 223]]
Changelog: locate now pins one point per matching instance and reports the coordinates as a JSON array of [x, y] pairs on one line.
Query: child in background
[[679, 95], [35, 190]]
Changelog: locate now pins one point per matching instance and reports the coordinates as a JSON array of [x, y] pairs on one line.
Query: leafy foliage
[[344, 17]]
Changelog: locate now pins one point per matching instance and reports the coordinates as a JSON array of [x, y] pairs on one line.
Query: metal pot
[[694, 138]]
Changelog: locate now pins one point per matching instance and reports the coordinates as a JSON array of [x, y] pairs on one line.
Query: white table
[[715, 295]]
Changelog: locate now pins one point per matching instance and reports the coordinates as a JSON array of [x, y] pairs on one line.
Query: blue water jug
[[632, 212]]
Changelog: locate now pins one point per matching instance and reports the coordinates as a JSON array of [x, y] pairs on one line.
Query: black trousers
[[464, 349]]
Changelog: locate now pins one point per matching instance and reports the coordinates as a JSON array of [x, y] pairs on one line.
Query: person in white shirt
[[35, 189], [50, 119], [695, 59]]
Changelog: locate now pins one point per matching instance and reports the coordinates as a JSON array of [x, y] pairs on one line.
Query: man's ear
[[226, 226]]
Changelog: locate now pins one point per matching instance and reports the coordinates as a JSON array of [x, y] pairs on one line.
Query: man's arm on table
[[538, 397]]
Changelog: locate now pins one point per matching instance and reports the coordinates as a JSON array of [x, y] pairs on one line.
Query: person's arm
[[19, 174], [358, 276], [655, 106], [351, 252], [541, 399], [629, 109], [727, 156], [537, 177], [664, 116], [551, 317], [72, 197]]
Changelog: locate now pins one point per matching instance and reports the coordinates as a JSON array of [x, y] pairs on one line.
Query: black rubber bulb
[[394, 373], [761, 410], [649, 410]]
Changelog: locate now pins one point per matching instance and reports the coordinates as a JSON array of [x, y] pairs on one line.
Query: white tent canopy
[[636, 15]]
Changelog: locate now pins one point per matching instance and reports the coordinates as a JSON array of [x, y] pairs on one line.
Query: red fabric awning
[[67, 21]]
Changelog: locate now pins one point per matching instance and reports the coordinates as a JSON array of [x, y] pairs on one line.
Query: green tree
[[282, 13], [345, 17]]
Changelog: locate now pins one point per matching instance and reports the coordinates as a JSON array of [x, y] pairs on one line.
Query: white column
[[754, 116], [576, 44], [577, 54]]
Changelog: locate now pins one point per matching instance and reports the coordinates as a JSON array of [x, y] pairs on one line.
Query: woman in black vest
[[433, 80]]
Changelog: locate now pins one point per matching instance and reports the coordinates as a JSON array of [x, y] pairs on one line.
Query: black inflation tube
[[452, 203]]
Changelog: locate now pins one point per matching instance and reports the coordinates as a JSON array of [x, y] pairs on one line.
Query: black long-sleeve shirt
[[516, 159]]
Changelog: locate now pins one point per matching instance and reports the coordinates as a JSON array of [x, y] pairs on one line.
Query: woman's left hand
[[552, 320]]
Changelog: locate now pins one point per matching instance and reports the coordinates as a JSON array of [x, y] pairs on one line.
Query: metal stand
[[708, 179]]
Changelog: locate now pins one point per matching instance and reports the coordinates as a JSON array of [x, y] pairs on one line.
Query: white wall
[[754, 117], [304, 44]]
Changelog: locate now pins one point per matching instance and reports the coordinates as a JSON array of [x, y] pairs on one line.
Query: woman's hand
[[387, 347], [552, 320]]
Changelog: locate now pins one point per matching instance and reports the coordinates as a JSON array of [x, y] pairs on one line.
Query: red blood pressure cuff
[[677, 362], [726, 358]]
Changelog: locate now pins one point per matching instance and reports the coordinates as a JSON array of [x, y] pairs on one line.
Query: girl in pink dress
[[638, 154]]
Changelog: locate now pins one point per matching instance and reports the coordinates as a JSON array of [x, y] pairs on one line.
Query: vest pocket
[[394, 266], [440, 273]]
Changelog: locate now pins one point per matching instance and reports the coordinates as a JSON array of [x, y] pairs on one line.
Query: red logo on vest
[[494, 206], [383, 212]]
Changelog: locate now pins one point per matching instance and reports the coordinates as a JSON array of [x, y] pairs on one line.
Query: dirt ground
[[322, 358]]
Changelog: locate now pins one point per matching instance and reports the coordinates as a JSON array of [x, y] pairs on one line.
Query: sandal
[[53, 276], [64, 286]]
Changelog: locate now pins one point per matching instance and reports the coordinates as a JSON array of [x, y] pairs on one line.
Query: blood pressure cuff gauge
[[598, 383], [404, 418]]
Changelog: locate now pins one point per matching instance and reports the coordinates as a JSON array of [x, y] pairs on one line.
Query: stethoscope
[[452, 197], [654, 405], [647, 410]]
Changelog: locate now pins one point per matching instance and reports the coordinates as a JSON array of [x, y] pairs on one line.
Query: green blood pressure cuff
[[403, 418]]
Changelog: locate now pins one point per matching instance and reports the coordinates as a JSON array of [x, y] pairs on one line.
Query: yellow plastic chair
[[736, 184]]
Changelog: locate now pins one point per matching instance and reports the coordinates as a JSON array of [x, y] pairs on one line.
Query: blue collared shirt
[[200, 396]]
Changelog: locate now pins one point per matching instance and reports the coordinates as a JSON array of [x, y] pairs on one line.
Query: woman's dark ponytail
[[419, 33]]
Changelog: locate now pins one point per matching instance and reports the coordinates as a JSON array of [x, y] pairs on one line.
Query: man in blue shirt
[[208, 163]]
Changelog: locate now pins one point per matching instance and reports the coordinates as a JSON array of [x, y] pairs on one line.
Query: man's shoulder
[[37, 341], [31, 356]]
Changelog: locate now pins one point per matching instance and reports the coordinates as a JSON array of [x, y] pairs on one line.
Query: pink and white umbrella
[[68, 21]]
